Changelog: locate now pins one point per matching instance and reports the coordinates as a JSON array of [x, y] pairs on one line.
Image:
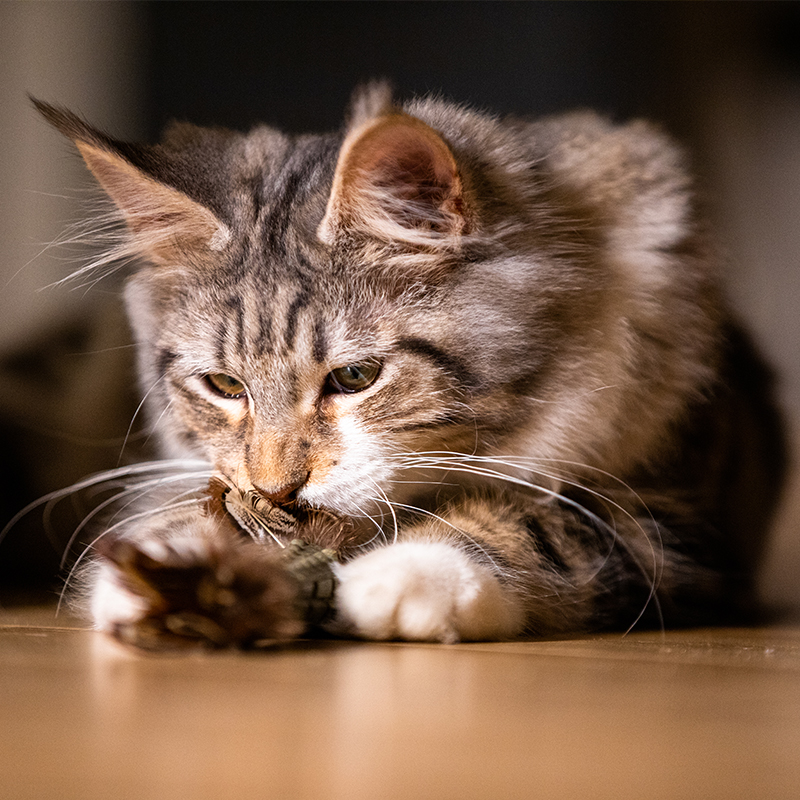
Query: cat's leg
[[183, 578], [425, 590], [469, 574], [494, 569], [488, 569]]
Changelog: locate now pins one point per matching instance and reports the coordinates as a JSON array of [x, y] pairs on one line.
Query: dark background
[[293, 64]]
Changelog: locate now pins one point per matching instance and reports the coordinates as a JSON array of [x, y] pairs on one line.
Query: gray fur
[[552, 313]]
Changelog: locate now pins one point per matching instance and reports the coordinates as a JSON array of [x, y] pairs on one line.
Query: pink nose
[[285, 495]]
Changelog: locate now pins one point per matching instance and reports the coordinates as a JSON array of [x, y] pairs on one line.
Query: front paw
[[216, 591], [423, 591]]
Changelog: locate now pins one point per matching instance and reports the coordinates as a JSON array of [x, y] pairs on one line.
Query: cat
[[488, 359]]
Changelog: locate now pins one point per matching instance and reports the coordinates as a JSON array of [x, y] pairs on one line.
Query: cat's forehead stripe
[[319, 348], [287, 189], [221, 341], [276, 222], [301, 301], [235, 319], [264, 340]]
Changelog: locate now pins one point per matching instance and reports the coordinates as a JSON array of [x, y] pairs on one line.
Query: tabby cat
[[488, 360]]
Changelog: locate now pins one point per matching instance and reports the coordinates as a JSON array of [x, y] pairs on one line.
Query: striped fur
[[567, 431]]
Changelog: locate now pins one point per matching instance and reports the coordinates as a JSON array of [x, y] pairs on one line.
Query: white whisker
[[460, 531], [105, 478], [137, 491], [136, 414], [391, 509], [154, 425], [378, 527], [448, 461]]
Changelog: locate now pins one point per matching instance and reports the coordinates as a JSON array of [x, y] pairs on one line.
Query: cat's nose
[[285, 495]]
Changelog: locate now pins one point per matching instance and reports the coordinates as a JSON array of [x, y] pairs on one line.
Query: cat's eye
[[354, 377], [225, 385]]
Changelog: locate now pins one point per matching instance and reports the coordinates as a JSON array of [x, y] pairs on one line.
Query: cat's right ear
[[397, 179], [165, 222]]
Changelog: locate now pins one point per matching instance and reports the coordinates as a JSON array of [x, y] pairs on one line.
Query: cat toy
[[309, 564], [253, 582]]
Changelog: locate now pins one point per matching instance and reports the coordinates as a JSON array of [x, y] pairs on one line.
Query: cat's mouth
[[255, 517]]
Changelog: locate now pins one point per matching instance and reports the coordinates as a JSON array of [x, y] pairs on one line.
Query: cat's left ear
[[164, 221], [397, 180]]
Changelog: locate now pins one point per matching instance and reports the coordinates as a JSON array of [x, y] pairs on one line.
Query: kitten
[[492, 355]]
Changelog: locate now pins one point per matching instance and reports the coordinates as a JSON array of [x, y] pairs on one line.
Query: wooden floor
[[692, 714]]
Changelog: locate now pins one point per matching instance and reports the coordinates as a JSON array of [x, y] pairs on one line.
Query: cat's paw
[[212, 591], [423, 591]]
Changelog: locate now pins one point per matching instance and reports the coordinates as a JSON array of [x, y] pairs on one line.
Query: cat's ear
[[165, 222], [396, 179]]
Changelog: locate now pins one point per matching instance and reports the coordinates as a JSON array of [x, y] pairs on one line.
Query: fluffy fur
[[496, 349]]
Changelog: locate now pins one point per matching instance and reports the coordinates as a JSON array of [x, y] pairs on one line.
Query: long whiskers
[[135, 493], [462, 533], [480, 466], [164, 508], [194, 467], [384, 498], [136, 414]]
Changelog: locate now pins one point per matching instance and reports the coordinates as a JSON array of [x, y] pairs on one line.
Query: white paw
[[423, 591], [110, 604]]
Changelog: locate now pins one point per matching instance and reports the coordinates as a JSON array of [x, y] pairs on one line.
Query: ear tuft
[[165, 222], [373, 99], [396, 179], [70, 124]]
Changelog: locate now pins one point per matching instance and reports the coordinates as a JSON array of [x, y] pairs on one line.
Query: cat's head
[[313, 311]]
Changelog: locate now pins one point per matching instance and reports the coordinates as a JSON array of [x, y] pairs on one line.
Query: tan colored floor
[[698, 714]]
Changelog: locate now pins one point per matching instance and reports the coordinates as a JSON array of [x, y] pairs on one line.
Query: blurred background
[[724, 78]]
